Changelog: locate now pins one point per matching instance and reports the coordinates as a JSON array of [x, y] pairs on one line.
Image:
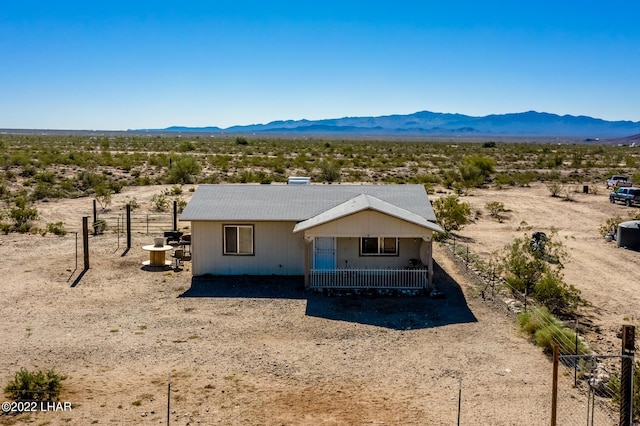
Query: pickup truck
[[628, 196], [618, 181]]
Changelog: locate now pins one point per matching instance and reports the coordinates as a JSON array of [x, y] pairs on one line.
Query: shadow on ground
[[398, 312], [247, 286], [393, 310]]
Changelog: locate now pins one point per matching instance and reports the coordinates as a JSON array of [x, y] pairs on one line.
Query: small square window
[[238, 239]]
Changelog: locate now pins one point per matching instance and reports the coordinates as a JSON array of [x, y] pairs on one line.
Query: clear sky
[[117, 65]]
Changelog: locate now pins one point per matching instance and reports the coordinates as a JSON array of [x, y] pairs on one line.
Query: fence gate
[[590, 391]]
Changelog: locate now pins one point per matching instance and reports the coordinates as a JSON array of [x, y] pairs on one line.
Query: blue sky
[[121, 65]]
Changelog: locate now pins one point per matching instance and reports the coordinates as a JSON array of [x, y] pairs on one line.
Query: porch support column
[[307, 261], [426, 257]]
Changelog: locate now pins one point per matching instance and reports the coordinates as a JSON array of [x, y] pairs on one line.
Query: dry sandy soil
[[264, 352]]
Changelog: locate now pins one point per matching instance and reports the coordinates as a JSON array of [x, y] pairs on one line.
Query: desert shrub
[[452, 213], [186, 146], [160, 202], [534, 319], [555, 294], [546, 329], [35, 386], [495, 208], [502, 179], [489, 144], [450, 178], [183, 170], [56, 228], [555, 188], [23, 215], [181, 203], [565, 338], [471, 175], [329, 171], [132, 202], [103, 195], [241, 141], [484, 164], [534, 268], [610, 225], [5, 228]]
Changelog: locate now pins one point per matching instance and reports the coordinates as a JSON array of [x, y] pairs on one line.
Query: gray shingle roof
[[246, 202]]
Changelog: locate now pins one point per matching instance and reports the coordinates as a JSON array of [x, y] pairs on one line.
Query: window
[[378, 246], [238, 239]]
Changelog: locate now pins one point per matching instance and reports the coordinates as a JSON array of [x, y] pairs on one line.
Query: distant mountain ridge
[[530, 123]]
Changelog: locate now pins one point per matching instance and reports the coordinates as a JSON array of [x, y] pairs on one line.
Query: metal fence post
[[175, 215]]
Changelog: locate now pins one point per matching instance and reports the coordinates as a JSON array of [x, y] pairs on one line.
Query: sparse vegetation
[[35, 385], [495, 208]]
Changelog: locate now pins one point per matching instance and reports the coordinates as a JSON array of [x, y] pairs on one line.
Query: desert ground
[[242, 351]]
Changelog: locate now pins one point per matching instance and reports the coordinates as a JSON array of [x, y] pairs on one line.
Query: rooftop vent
[[299, 181]]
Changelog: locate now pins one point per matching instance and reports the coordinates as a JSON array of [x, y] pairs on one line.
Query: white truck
[[618, 181]]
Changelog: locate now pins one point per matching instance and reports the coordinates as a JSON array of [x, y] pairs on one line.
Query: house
[[337, 236]]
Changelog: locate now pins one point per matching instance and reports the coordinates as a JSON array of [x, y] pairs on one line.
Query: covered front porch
[[366, 243]]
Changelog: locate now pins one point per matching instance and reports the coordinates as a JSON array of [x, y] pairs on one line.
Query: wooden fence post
[[554, 386], [626, 375]]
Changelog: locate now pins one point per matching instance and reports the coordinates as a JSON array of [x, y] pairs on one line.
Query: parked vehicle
[[618, 181], [628, 196]]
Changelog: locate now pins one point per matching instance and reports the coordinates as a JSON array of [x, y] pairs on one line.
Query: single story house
[[337, 236]]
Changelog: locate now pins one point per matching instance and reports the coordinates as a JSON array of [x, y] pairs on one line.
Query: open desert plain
[[159, 346]]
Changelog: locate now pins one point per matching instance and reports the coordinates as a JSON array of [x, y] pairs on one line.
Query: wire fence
[[142, 223], [591, 381]]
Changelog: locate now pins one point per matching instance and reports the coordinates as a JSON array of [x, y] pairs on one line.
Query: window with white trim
[[238, 239], [378, 246]]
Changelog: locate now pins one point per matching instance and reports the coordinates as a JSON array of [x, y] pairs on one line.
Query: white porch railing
[[369, 278]]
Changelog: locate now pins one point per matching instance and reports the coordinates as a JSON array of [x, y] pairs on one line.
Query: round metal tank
[[629, 235]]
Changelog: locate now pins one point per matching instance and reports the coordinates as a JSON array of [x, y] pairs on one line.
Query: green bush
[[534, 319], [329, 171], [535, 269], [160, 202], [184, 170], [565, 338], [56, 228], [35, 386], [611, 225], [22, 215], [545, 329], [495, 208], [452, 213]]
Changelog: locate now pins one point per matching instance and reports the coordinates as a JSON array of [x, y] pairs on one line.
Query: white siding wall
[[277, 250]]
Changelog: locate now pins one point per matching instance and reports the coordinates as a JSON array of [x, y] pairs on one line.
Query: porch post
[[307, 258], [426, 256]]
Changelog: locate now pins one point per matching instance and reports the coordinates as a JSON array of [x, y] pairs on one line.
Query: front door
[[324, 253]]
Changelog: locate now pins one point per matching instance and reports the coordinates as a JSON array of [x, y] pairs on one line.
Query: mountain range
[[523, 124]]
